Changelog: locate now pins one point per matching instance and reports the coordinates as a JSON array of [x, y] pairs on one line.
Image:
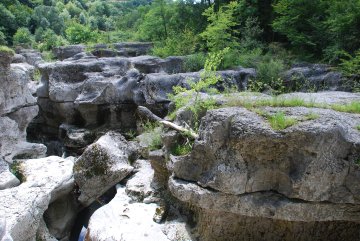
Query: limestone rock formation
[[101, 166], [246, 173], [130, 215], [314, 77], [45, 180], [17, 108]]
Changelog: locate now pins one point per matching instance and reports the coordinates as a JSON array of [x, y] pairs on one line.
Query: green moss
[[279, 121], [16, 169], [6, 50], [94, 163]]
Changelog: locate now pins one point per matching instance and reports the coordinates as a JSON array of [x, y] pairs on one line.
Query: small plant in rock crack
[[279, 121], [191, 98], [151, 135]]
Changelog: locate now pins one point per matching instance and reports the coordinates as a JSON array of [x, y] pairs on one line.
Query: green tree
[[220, 32], [155, 25], [301, 21], [23, 37], [77, 33]]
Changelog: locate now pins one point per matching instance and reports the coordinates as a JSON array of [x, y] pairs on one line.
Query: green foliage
[[311, 116], [353, 107], [151, 135], [77, 33], [220, 32], [268, 73], [279, 121], [194, 62], [351, 65], [23, 37], [182, 149], [6, 50], [358, 127], [177, 44], [190, 98]]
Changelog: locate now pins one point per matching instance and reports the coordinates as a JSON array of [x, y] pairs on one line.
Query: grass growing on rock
[[182, 149], [151, 135], [279, 121], [353, 107], [7, 50], [311, 116], [358, 127]]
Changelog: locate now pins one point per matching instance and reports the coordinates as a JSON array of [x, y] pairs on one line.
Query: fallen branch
[[145, 112]]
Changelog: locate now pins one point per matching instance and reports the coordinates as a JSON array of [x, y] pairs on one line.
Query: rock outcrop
[[91, 92], [101, 166], [17, 108], [289, 184], [132, 213], [45, 180], [315, 77]]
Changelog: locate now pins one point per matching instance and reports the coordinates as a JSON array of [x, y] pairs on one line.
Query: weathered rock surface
[[69, 51], [7, 179], [314, 77], [247, 173], [46, 180], [132, 213], [101, 166], [17, 108]]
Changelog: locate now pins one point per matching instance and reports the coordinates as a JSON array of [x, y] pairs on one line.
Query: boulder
[[32, 57], [7, 179], [129, 220], [69, 51], [314, 77], [242, 173], [101, 166], [45, 180], [133, 48], [18, 58]]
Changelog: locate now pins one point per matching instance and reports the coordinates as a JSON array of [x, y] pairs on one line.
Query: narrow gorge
[[79, 160]]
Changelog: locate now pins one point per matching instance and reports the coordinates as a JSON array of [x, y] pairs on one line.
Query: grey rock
[[68, 51], [18, 58], [133, 49], [101, 166], [313, 77], [47, 179], [33, 57], [140, 185], [7, 179], [124, 218]]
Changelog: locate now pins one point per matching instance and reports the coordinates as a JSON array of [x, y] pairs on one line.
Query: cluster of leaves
[[190, 98]]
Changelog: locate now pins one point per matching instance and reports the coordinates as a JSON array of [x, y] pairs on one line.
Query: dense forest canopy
[[311, 30]]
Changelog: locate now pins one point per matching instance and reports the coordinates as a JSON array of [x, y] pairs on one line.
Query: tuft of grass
[[6, 50], [279, 121], [151, 135], [357, 162], [353, 107], [358, 127], [180, 150], [311, 116]]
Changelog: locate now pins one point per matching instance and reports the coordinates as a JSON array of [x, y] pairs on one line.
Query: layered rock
[[315, 77], [89, 92], [17, 108], [248, 180]]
